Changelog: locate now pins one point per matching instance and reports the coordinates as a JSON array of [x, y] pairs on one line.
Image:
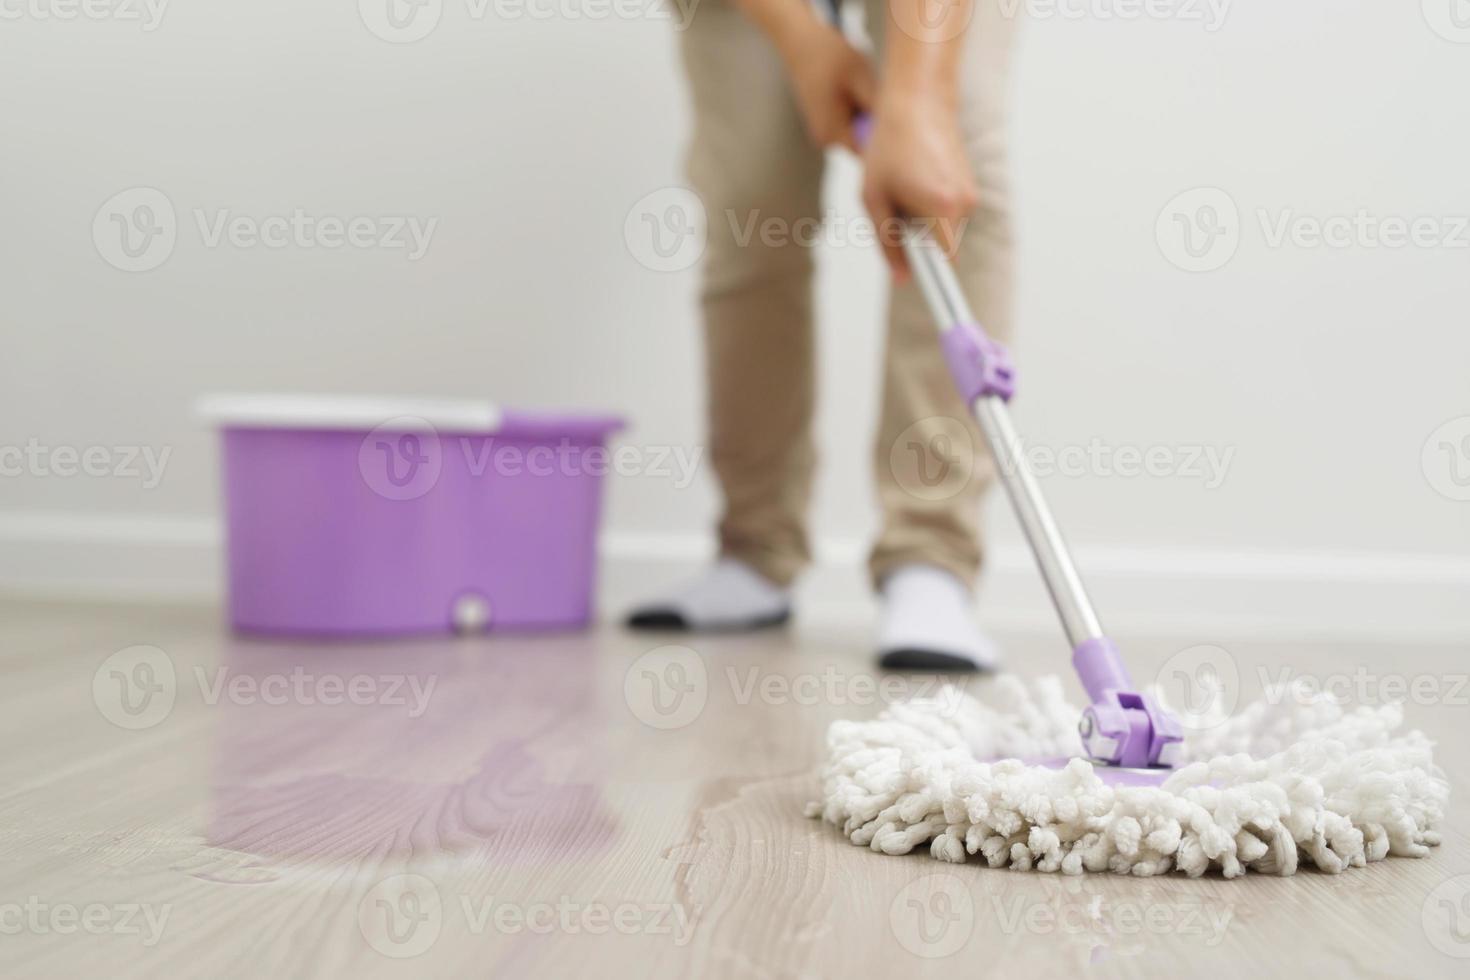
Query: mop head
[[1295, 779]]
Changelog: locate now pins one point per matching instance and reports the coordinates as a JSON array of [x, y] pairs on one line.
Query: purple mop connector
[[1122, 727], [979, 365]]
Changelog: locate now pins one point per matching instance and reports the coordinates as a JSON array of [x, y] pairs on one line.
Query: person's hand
[[916, 168], [833, 82]]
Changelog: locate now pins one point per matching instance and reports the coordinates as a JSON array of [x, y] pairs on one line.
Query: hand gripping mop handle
[[1122, 727]]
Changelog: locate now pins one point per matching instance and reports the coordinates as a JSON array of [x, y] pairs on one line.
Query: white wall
[[1323, 370]]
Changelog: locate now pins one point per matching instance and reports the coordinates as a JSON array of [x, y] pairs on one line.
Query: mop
[[1296, 779]]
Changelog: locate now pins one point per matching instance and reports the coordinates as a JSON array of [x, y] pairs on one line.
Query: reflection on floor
[[180, 802]]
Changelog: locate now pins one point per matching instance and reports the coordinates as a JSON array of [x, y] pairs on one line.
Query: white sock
[[929, 623], [729, 595]]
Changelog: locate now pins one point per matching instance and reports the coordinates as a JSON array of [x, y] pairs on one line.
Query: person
[[774, 84]]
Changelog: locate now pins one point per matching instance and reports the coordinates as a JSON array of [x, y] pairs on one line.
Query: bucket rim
[[359, 413]]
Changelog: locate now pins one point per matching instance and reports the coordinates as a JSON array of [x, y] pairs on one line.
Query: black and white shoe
[[928, 624], [729, 596]]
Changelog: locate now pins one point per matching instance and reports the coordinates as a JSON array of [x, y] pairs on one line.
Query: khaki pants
[[750, 153]]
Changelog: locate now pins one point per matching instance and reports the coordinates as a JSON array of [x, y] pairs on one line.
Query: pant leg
[[931, 465], [751, 164]]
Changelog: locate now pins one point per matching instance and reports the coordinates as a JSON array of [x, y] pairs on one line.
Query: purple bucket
[[370, 516]]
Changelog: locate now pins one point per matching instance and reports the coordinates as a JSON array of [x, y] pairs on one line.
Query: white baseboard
[[1273, 594], [110, 557], [1379, 597]]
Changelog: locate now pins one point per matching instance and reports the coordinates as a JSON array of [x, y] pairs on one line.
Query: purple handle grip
[[862, 129], [979, 366]]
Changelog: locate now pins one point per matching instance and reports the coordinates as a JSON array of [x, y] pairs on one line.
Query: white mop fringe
[[1292, 780]]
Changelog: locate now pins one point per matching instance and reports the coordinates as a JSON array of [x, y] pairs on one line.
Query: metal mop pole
[[937, 282], [1122, 727]]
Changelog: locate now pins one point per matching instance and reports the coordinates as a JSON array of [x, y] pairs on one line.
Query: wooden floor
[[177, 802]]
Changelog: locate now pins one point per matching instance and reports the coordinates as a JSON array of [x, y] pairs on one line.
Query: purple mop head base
[[1122, 727], [1110, 774]]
